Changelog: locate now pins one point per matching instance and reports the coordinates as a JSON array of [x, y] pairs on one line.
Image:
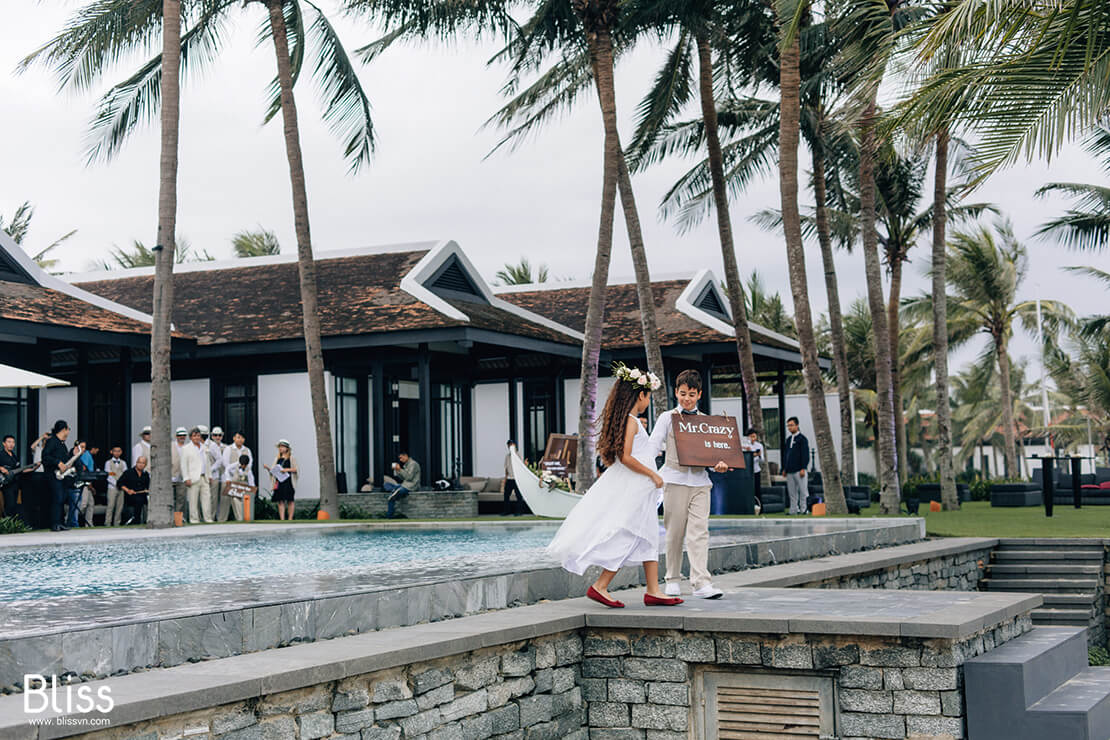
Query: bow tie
[[689, 413]]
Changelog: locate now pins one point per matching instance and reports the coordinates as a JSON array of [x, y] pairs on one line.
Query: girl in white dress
[[616, 522]]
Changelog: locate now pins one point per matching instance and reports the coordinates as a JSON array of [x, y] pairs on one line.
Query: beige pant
[[229, 504], [213, 498], [115, 507], [85, 508], [197, 494], [180, 503], [686, 517]]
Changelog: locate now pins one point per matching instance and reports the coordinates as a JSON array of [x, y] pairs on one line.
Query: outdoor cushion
[[492, 485]]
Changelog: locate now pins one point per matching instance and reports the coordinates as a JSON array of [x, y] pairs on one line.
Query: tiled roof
[[622, 315], [262, 302], [38, 305]]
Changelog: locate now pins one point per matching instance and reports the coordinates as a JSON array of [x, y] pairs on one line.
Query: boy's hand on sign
[[720, 467]]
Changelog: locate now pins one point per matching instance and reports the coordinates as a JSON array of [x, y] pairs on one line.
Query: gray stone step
[[1029, 555], [1002, 684], [1052, 543], [1073, 617], [1037, 585], [1064, 569], [1079, 708], [1059, 599]]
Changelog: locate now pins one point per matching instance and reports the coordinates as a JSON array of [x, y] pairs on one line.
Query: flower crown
[[637, 377]]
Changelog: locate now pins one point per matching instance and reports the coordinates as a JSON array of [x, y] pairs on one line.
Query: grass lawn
[[978, 519]]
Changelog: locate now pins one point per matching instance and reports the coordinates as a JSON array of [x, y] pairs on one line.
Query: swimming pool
[[124, 565]]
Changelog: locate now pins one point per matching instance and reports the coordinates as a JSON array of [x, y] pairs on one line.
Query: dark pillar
[[424, 377], [362, 466], [379, 402], [1048, 485], [780, 388], [706, 404], [745, 415], [84, 401], [125, 400], [1076, 474], [514, 427], [560, 425]]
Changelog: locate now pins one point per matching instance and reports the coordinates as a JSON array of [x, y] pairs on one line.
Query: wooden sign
[[562, 450], [702, 440], [240, 490]]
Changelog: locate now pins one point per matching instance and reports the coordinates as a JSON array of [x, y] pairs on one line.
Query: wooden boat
[[543, 501]]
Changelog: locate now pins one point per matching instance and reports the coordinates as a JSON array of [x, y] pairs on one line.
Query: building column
[[424, 377], [780, 388], [125, 399], [84, 401], [745, 415], [707, 388], [560, 425], [514, 413], [362, 466], [379, 405]]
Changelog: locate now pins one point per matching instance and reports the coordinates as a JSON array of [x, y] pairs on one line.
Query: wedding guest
[[284, 490], [753, 445], [508, 485], [115, 467], [233, 453], [135, 485], [240, 473], [10, 469], [181, 438], [55, 457], [194, 474], [215, 447], [81, 501], [142, 447], [797, 458], [616, 522]]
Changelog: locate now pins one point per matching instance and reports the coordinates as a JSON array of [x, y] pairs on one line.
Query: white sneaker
[[672, 589], [708, 591]]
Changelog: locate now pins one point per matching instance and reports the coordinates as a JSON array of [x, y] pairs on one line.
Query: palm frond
[[296, 39], [670, 91]]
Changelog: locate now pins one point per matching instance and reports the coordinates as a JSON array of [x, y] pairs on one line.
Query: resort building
[[421, 353]]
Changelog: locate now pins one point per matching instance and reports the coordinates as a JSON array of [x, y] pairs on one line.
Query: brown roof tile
[[38, 305], [357, 295]]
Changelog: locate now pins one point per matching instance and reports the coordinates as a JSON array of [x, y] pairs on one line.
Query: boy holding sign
[[685, 496]]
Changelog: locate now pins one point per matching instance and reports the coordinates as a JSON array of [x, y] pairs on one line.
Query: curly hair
[[614, 420]]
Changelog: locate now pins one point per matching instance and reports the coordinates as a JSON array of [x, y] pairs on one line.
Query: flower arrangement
[[645, 381], [549, 479]]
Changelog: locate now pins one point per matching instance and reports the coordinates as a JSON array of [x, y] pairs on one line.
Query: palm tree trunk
[[644, 291], [160, 510], [894, 325], [314, 354], [1002, 352], [950, 499], [733, 283], [890, 494], [601, 57], [789, 86], [836, 320]]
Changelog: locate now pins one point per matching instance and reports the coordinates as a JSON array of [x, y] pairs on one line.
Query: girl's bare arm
[[632, 463]]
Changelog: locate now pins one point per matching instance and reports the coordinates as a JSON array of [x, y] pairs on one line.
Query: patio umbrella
[[13, 377]]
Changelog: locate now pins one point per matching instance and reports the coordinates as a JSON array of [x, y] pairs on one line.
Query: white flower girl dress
[[616, 523]]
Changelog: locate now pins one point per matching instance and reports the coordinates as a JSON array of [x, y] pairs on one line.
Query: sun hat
[[146, 429], [283, 442], [217, 430], [181, 432], [202, 429]]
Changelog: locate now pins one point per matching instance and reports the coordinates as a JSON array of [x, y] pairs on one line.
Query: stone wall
[[417, 505], [600, 684], [957, 572]]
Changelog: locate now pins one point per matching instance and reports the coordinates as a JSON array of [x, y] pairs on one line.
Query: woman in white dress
[[616, 523]]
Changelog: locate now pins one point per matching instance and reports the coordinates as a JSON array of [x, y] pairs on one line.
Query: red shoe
[[593, 593], [650, 600]]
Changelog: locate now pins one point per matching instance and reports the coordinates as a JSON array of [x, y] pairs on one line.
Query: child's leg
[[675, 506], [697, 537], [651, 577], [601, 585]]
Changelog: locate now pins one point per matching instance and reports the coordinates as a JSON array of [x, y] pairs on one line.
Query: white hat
[[218, 430], [202, 429], [284, 442], [181, 432], [146, 429]]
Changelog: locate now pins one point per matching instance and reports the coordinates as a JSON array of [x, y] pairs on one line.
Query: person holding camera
[[409, 472]]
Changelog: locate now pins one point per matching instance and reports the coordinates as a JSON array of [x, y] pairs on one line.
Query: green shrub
[[866, 479], [1098, 656], [980, 489], [13, 525]]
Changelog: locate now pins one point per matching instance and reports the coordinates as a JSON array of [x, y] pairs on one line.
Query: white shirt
[[232, 455], [694, 478], [756, 449], [141, 449], [215, 460], [241, 475], [114, 467]]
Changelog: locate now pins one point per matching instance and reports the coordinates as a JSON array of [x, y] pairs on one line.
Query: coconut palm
[[766, 308], [102, 33], [1087, 224], [986, 269], [19, 225], [140, 255], [259, 243], [985, 406], [521, 273]]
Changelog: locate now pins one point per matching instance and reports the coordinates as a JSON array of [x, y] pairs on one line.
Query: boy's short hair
[[244, 460], [793, 419], [689, 378]]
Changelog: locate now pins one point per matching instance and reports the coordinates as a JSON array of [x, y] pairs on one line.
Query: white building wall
[[573, 387], [59, 403], [189, 405], [285, 412], [490, 428]]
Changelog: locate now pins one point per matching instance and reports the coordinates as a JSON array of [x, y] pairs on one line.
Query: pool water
[[123, 565]]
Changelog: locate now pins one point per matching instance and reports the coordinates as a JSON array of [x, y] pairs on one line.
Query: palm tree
[[949, 495], [984, 406], [766, 308], [258, 243], [985, 273], [521, 274], [1087, 224], [106, 33], [139, 255], [20, 224]]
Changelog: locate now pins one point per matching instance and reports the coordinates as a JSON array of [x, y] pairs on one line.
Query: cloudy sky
[[430, 178]]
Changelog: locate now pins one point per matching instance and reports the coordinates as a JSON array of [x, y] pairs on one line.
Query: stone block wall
[[600, 684], [417, 505], [959, 572], [522, 691]]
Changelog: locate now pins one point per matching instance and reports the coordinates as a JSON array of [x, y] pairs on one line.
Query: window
[[347, 436], [13, 418], [235, 409], [539, 417], [447, 426]]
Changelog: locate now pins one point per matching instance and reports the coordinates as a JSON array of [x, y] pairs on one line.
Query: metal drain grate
[[767, 706]]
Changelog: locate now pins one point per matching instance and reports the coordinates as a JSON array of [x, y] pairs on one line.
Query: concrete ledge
[[144, 696]]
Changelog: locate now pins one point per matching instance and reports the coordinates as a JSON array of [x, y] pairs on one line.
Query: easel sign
[[561, 455], [703, 441]]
